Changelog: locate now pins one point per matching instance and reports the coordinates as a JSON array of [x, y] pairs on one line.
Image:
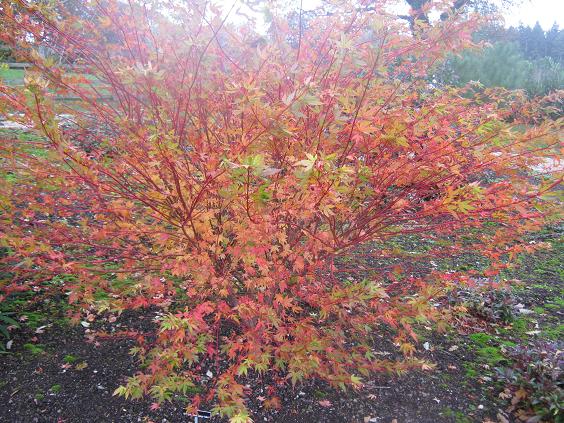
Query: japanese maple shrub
[[222, 174]]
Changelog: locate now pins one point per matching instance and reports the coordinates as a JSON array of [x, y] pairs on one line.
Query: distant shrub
[[491, 304]]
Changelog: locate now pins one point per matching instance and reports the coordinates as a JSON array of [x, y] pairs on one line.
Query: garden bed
[[55, 371]]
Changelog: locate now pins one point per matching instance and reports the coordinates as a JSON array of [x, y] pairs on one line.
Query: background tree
[[504, 65], [5, 53], [555, 40], [516, 58]]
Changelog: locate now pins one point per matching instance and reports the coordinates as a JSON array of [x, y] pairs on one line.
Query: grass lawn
[[16, 77], [12, 76]]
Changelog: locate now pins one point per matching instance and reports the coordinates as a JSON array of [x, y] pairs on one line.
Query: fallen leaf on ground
[[82, 366], [428, 366], [325, 403], [501, 418]]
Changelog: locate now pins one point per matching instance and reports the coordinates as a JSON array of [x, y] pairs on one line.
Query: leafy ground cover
[[57, 370]]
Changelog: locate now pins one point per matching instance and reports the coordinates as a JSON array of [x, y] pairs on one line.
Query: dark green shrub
[[535, 381], [6, 320]]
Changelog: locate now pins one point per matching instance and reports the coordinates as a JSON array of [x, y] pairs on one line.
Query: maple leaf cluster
[[242, 182]]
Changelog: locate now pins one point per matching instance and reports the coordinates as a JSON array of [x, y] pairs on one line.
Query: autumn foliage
[[241, 182]]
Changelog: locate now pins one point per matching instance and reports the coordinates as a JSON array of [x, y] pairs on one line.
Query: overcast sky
[[530, 11], [527, 12]]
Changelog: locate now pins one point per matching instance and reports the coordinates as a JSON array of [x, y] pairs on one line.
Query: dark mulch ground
[[40, 388], [67, 378]]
